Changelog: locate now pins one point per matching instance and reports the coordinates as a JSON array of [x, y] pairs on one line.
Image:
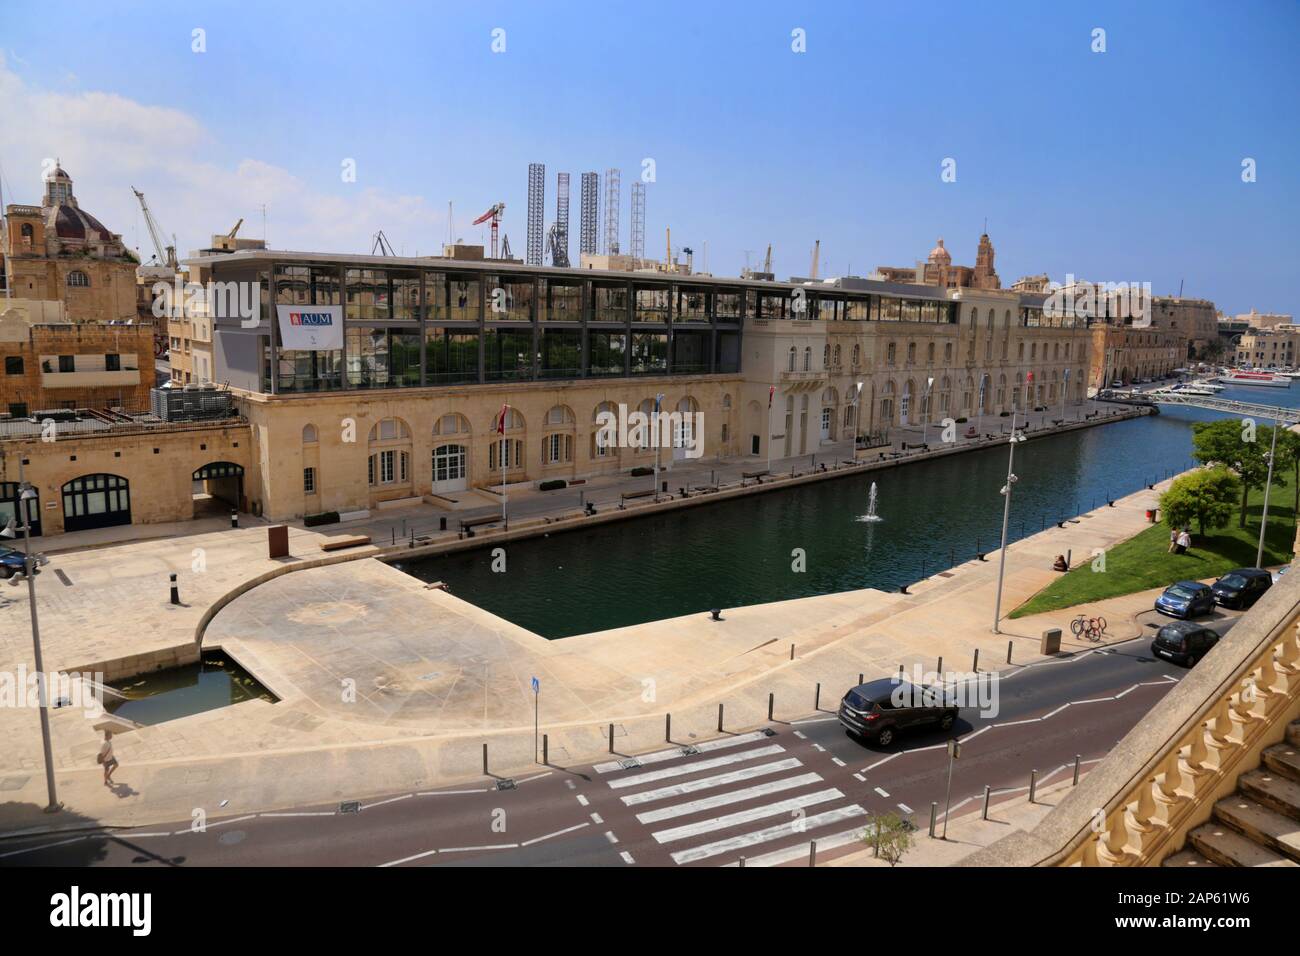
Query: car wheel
[[6, 572], [946, 721], [1189, 661], [885, 737]]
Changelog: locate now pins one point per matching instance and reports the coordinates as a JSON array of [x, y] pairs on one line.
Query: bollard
[[1076, 770], [742, 862], [1033, 784], [812, 853], [900, 671], [719, 718], [668, 727], [1009, 652], [394, 531], [485, 769], [176, 591], [860, 676], [939, 668], [546, 750], [791, 652], [984, 814], [934, 812], [817, 697], [975, 664], [611, 738], [234, 519], [771, 702]]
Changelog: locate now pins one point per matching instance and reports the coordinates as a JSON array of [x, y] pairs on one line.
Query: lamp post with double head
[[1006, 519], [26, 496]]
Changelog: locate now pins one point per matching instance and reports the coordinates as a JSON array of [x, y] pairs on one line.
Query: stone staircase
[[1259, 825]]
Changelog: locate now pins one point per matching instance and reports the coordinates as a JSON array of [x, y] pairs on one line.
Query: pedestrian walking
[[1184, 541], [106, 758], [1173, 539]]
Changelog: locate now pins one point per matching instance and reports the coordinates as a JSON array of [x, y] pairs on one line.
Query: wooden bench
[[624, 496], [338, 544], [756, 475], [467, 525]]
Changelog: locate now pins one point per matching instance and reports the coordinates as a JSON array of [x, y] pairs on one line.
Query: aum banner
[[311, 328]]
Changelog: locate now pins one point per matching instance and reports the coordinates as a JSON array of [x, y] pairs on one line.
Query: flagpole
[[771, 392]]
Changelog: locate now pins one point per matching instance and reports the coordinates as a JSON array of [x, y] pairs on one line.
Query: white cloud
[[109, 143]]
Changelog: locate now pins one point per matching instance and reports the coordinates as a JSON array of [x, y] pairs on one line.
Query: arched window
[[604, 438], [794, 357], [990, 320], [78, 280], [857, 353], [309, 435], [826, 356], [929, 354], [27, 233], [911, 352], [807, 359], [451, 424], [726, 400], [837, 356], [560, 415], [389, 444], [514, 420], [947, 353], [891, 354]]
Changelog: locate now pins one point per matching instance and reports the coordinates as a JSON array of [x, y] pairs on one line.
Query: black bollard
[[176, 592]]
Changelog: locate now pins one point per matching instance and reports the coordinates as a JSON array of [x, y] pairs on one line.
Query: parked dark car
[[11, 562], [1183, 642], [1186, 599], [1241, 588], [878, 710]]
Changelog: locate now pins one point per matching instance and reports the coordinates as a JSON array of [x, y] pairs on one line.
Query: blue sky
[[1122, 165]]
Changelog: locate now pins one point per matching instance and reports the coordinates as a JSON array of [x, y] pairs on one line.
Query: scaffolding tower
[[613, 186], [536, 212], [587, 229], [638, 220]]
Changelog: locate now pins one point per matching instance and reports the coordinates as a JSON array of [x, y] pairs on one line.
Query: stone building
[[51, 363], [1276, 347], [939, 270], [58, 252]]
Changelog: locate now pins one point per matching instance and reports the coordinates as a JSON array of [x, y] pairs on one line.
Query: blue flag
[[537, 685]]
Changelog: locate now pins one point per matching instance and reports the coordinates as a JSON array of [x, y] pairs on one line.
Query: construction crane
[[495, 215], [166, 254], [816, 258], [380, 242], [235, 231], [767, 263]]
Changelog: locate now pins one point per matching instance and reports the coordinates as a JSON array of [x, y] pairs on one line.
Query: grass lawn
[[1144, 561]]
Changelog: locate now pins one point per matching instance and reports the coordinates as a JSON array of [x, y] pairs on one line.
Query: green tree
[[889, 836], [1224, 443], [1205, 496]]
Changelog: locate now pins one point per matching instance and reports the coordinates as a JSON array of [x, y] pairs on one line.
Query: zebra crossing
[[717, 800]]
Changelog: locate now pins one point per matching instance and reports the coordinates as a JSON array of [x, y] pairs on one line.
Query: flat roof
[[836, 286]]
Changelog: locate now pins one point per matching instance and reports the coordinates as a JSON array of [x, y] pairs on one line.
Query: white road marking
[[686, 768], [472, 849], [746, 816], [555, 834], [905, 808], [595, 818], [661, 755], [882, 792], [609, 835], [161, 833], [705, 783], [219, 823], [46, 846], [838, 762], [858, 776], [408, 859], [312, 813], [873, 766], [447, 793], [536, 776], [582, 800], [627, 857], [819, 747], [777, 857], [789, 828], [380, 803], [813, 720], [722, 799]]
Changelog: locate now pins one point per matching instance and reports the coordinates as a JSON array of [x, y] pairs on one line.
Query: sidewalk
[[436, 678]]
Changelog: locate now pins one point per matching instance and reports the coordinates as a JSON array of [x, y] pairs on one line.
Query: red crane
[[495, 215]]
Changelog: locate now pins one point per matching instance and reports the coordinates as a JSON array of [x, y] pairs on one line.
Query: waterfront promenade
[[436, 678]]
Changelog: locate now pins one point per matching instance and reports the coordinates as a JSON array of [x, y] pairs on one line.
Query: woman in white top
[[106, 758]]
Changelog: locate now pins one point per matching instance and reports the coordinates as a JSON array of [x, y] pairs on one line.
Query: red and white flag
[[1030, 378], [501, 420], [771, 390]]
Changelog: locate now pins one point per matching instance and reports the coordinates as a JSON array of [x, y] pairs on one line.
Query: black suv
[[1184, 642], [1241, 588], [879, 709]]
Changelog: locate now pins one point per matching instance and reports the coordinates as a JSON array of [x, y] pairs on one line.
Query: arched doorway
[[9, 492], [96, 501], [218, 489]]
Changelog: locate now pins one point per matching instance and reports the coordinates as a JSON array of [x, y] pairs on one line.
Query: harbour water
[[742, 551]]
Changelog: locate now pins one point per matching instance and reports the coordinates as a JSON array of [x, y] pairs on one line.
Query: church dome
[[69, 222], [940, 254]]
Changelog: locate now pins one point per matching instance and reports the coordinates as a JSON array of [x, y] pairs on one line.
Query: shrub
[[641, 471], [325, 517], [552, 484]]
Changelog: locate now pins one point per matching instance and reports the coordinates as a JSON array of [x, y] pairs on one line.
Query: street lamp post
[[857, 419], [1006, 518], [654, 425], [30, 562], [925, 411], [1263, 518]]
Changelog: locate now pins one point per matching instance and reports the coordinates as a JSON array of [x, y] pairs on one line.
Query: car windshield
[[857, 701], [1172, 637], [1233, 580], [1178, 592]]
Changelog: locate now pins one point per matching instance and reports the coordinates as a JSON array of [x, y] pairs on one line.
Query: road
[[762, 794]]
